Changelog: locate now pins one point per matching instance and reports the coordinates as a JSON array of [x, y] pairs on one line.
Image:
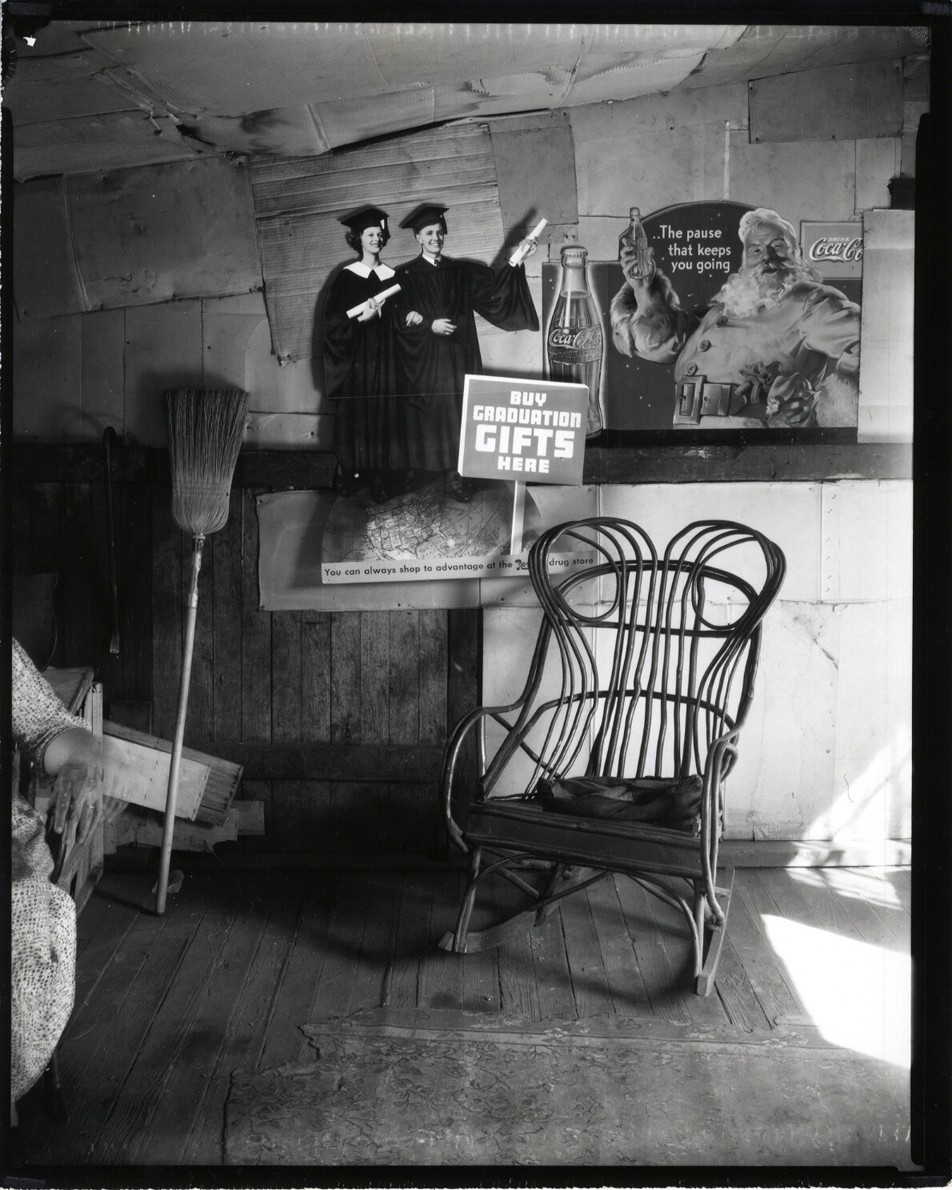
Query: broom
[[205, 428]]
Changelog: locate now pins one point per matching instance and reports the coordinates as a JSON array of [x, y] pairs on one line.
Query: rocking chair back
[[638, 687]]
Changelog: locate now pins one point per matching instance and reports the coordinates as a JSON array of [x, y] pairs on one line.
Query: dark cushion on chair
[[661, 801]]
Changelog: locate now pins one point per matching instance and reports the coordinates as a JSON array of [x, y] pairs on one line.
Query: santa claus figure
[[772, 346]]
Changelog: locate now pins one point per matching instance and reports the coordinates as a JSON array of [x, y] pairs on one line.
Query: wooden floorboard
[[765, 972], [100, 1049], [259, 964], [167, 1008], [623, 978], [127, 1126], [661, 981], [411, 943], [191, 1065], [517, 987], [299, 990]]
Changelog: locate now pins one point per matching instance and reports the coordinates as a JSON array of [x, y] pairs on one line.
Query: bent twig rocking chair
[[614, 756]]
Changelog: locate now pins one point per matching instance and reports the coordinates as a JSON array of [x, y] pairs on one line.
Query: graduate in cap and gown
[[358, 358], [437, 341]]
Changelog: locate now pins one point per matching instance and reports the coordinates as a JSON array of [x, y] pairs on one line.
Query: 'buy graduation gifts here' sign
[[527, 430]]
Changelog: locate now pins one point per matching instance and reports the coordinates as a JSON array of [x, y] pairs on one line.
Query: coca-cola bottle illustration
[[574, 344], [634, 236]]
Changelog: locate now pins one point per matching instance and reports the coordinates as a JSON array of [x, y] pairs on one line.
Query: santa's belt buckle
[[699, 397], [688, 408]]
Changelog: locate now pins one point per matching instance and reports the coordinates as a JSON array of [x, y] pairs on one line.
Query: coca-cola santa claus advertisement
[[722, 316]]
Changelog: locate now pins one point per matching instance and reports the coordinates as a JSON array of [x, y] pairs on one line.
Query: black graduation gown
[[430, 367], [359, 371]]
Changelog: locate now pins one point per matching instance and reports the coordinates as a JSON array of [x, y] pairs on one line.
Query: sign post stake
[[518, 516]]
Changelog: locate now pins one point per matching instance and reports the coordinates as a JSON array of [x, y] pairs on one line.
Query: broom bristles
[[205, 429]]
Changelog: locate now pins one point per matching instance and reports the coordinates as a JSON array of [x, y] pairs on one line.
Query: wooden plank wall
[[339, 718]]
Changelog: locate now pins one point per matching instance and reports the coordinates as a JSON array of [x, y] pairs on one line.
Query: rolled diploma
[[533, 235], [384, 293]]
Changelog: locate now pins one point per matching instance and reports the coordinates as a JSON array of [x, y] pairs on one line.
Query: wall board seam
[[74, 254]]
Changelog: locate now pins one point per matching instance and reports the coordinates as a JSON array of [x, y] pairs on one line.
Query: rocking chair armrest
[[451, 755], [721, 757]]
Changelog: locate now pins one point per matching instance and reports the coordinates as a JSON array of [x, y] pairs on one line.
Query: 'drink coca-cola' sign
[[835, 249]]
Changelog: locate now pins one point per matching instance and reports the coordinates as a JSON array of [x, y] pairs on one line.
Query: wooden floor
[[167, 1007]]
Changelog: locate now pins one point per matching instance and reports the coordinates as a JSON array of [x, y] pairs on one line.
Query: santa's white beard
[[752, 291]]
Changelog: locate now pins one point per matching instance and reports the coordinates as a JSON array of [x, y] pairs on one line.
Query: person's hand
[[798, 411], [530, 243], [442, 326], [637, 265], [372, 308], [414, 318], [77, 789], [791, 401]]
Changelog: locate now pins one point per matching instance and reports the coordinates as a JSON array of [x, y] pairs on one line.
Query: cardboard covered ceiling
[[88, 96]]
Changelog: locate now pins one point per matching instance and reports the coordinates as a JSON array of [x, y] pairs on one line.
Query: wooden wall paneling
[[199, 722], [38, 532], [133, 535], [166, 613], [433, 676], [226, 548], [316, 825], [287, 816], [404, 681], [317, 804], [316, 691], [345, 677], [462, 687], [413, 821], [361, 817], [255, 635], [376, 695], [286, 677], [102, 394], [85, 583], [374, 677], [20, 557], [260, 791]]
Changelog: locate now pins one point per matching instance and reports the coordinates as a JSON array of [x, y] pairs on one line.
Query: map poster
[[422, 535]]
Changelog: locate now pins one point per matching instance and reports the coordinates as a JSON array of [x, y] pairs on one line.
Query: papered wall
[[198, 239], [827, 754], [133, 237], [297, 204]]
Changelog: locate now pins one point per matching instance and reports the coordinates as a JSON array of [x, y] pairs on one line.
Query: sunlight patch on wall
[[875, 801]]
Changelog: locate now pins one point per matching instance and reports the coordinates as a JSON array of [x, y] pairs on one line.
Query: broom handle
[[171, 796]]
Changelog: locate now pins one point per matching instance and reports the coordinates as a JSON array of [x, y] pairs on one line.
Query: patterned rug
[[450, 1088]]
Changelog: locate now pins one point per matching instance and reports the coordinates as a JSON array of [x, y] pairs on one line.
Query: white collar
[[383, 271], [430, 259]]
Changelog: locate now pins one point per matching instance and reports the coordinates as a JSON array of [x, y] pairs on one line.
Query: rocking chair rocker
[[613, 758]]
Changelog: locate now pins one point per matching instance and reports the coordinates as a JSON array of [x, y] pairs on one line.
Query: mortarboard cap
[[424, 215], [359, 221]]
